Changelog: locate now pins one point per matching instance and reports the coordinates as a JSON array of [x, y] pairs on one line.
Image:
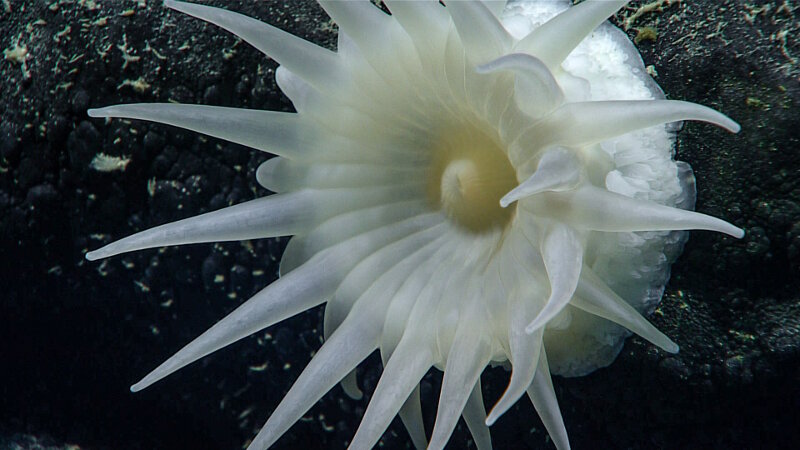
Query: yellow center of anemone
[[469, 174]]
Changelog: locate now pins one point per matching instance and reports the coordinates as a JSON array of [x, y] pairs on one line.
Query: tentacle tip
[[491, 418], [730, 229], [93, 255], [721, 226], [727, 123], [95, 112], [510, 197], [672, 348], [533, 326], [144, 383]]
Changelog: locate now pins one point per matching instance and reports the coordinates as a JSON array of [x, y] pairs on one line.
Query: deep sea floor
[[75, 335]]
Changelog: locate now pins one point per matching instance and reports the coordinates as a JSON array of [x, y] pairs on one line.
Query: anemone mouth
[[468, 175]]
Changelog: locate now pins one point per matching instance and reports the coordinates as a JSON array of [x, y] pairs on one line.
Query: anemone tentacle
[[595, 297], [536, 91], [411, 416], [474, 414], [402, 373], [483, 36], [592, 208], [469, 353], [342, 352], [557, 170], [279, 133], [313, 63], [282, 175], [344, 226], [543, 397], [562, 253], [599, 121], [556, 38], [277, 215], [399, 259]]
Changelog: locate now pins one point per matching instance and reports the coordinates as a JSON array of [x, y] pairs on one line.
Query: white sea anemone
[[469, 184]]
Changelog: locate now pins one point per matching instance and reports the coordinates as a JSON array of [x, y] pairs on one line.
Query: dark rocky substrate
[[75, 334]]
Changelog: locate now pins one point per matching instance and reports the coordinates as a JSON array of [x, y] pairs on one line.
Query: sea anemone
[[466, 183]]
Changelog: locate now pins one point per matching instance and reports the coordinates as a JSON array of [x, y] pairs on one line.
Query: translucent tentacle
[[331, 109], [410, 308], [372, 308], [474, 416], [426, 22], [595, 297], [281, 175], [424, 16], [304, 288], [381, 274], [562, 253], [558, 170], [426, 282], [592, 208], [454, 67], [402, 301], [274, 215], [536, 92], [411, 415], [342, 352], [281, 133], [367, 26], [359, 19], [299, 91], [314, 64], [400, 257], [544, 400], [483, 36], [556, 38], [350, 386], [403, 257], [345, 226], [307, 286], [597, 121], [468, 356], [512, 123], [524, 359], [522, 349], [402, 373], [335, 112]]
